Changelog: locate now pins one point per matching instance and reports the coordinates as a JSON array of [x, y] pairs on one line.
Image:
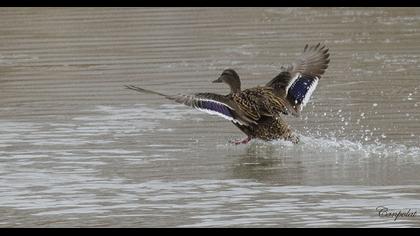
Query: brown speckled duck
[[257, 111]]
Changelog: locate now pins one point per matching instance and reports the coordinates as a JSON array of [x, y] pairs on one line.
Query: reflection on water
[[77, 149]]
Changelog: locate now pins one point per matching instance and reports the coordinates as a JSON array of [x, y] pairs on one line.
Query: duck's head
[[230, 77]]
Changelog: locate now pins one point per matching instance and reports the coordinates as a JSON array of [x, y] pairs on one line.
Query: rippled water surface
[[79, 150]]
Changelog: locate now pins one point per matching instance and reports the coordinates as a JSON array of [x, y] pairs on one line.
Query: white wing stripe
[[291, 82], [310, 91], [211, 112], [214, 101]]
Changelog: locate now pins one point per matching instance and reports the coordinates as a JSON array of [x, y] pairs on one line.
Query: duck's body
[[266, 109], [269, 128], [257, 111]]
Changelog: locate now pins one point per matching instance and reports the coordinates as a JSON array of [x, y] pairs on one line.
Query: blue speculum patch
[[300, 88], [217, 107]]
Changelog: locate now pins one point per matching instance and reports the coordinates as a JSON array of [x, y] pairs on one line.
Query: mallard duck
[[257, 111]]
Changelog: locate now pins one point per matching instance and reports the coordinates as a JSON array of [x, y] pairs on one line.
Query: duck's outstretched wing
[[210, 103], [298, 80]]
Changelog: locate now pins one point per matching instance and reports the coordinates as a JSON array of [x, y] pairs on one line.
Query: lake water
[[79, 150]]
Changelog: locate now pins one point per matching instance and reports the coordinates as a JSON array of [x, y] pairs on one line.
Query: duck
[[258, 112]]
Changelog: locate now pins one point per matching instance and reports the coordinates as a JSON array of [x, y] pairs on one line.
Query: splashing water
[[332, 144]]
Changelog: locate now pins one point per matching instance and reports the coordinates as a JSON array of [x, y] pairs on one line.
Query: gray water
[[79, 150]]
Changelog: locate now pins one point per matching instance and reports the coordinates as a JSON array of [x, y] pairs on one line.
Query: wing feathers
[[313, 61], [213, 104], [297, 81], [301, 90], [210, 103]]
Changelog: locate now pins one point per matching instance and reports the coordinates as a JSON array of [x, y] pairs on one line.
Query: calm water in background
[[79, 150]]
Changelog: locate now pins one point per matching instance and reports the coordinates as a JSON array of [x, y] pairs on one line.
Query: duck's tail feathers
[[142, 90]]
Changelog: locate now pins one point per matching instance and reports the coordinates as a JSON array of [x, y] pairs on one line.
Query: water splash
[[332, 144]]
